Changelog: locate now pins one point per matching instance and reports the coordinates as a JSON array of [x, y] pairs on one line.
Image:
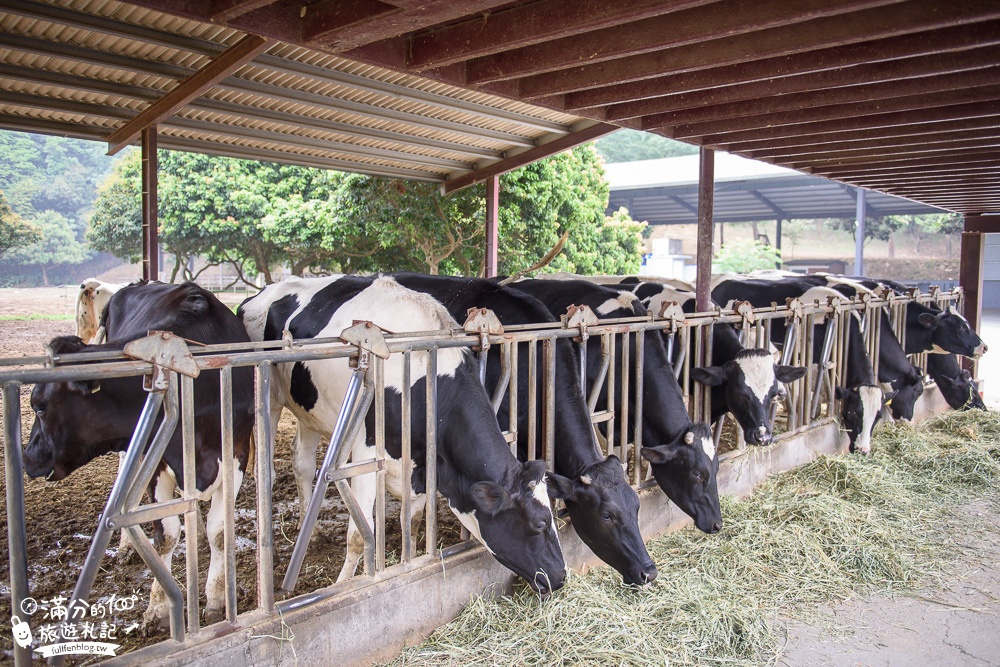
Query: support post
[[492, 220], [150, 240], [971, 279], [777, 233], [706, 191], [859, 236]]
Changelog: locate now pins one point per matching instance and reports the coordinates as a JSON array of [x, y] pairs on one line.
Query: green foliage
[[632, 145], [744, 255], [116, 225], [14, 231], [58, 245]]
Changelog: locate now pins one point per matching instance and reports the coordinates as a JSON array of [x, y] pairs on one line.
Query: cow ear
[[945, 381], [927, 320], [489, 497], [965, 375], [789, 373], [841, 393], [916, 373], [84, 387], [660, 454], [712, 376], [533, 471], [66, 345], [559, 487], [194, 302], [888, 396]]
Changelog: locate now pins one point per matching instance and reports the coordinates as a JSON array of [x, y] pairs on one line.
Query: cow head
[[750, 381], [686, 471], [861, 410], [516, 524], [961, 392], [69, 430], [605, 514], [908, 390], [951, 332]]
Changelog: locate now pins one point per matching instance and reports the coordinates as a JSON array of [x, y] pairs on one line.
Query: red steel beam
[[706, 192], [930, 140], [150, 205], [557, 145], [191, 88], [492, 226]]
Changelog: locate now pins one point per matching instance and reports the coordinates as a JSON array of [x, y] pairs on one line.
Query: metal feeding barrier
[[170, 366]]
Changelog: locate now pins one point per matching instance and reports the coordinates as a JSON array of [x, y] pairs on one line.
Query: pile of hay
[[834, 528]]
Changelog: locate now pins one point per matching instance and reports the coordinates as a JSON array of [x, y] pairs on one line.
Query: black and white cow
[[504, 503], [744, 381], [601, 504], [862, 398], [91, 300], [76, 422], [682, 454], [957, 387]]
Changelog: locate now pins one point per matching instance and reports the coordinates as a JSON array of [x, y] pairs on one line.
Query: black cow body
[[682, 454], [502, 502], [79, 421], [601, 504], [862, 398], [744, 381], [957, 387]]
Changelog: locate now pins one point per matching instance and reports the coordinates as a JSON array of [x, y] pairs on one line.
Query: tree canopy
[[14, 231], [632, 145], [259, 216]]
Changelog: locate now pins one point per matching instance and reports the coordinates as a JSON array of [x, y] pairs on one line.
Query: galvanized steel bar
[[337, 439], [378, 370], [640, 358], [228, 489], [549, 446], [532, 401], [431, 456], [16, 529], [612, 374], [607, 341], [406, 459], [505, 373], [512, 415], [190, 492], [264, 442], [625, 411]]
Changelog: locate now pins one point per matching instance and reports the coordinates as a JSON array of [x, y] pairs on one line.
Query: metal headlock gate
[[170, 367]]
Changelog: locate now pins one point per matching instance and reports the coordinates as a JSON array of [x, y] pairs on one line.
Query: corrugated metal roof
[[897, 96], [82, 68]]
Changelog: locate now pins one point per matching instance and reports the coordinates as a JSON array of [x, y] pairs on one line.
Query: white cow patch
[[954, 311], [758, 372], [623, 300], [471, 523], [871, 402], [708, 444], [668, 294]]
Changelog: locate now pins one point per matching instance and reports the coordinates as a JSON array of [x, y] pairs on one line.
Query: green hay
[[835, 528]]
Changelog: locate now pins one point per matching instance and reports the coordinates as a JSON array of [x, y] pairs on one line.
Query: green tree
[[632, 145], [919, 227], [116, 224], [58, 245], [14, 231], [878, 228], [745, 255]]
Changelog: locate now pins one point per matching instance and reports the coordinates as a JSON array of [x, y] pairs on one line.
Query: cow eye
[[540, 526], [39, 410], [698, 475], [606, 516]]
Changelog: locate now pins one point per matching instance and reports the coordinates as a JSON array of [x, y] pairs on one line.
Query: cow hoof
[[153, 626], [214, 615]]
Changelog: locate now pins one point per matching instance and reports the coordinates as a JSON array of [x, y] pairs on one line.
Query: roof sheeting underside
[[84, 68], [898, 96]]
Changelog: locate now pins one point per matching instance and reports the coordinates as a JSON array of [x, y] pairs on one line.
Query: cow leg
[[215, 585], [304, 448], [363, 489], [125, 549], [418, 501], [157, 616]]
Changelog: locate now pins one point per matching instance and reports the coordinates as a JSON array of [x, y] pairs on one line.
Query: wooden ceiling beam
[[227, 10], [983, 113], [856, 115], [762, 70], [808, 150], [828, 32], [891, 152], [191, 88], [882, 76], [715, 21], [889, 96], [525, 25]]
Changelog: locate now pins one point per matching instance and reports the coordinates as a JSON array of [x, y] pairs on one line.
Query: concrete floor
[[953, 627]]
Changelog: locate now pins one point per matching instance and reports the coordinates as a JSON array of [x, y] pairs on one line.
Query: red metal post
[[492, 223], [706, 192], [150, 240], [970, 274]]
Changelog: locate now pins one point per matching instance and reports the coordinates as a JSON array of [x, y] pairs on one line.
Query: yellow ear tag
[[889, 402]]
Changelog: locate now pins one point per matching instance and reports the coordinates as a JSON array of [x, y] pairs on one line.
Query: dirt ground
[[61, 516]]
